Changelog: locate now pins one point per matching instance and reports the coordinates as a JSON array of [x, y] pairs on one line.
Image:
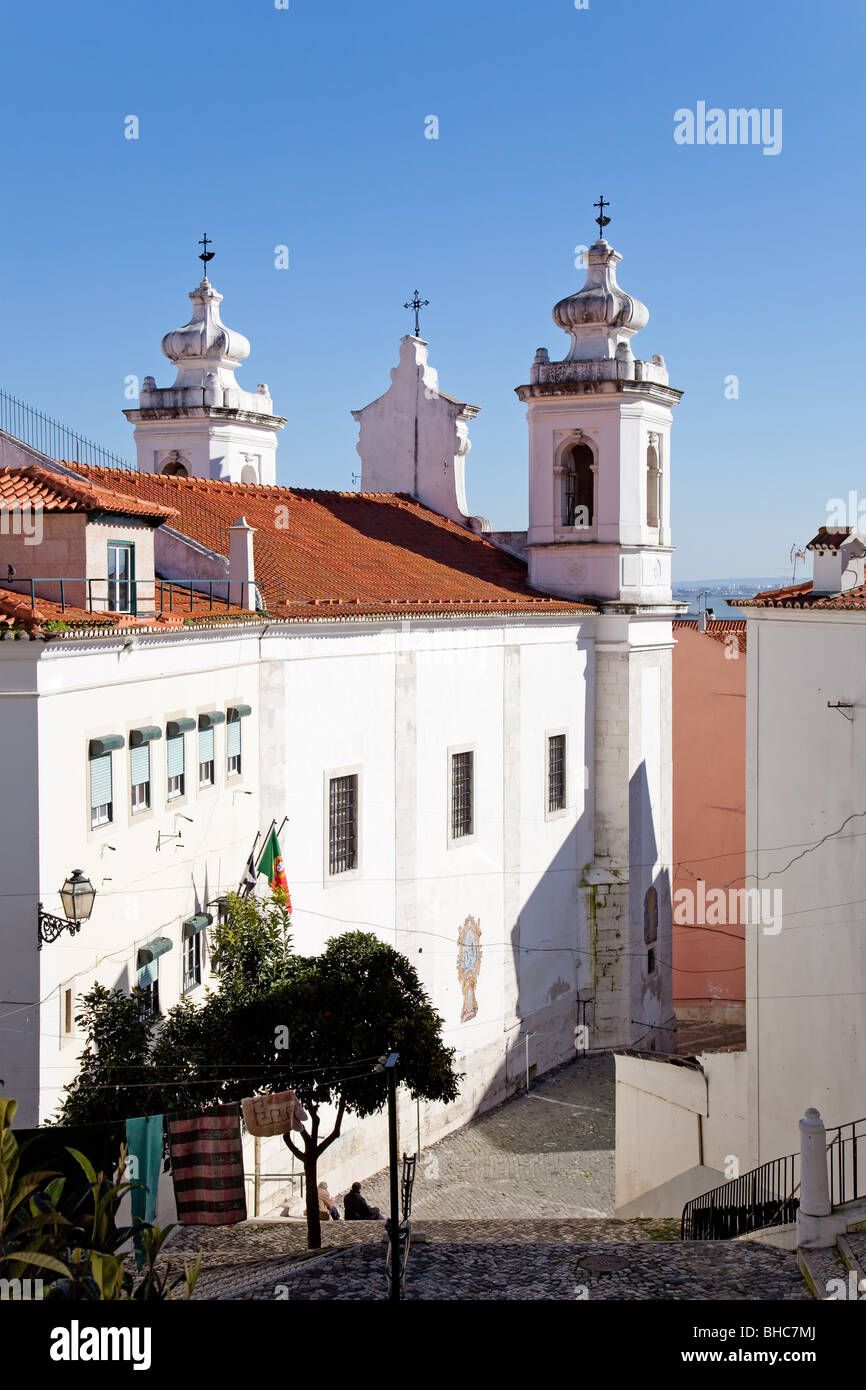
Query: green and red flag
[[272, 866]]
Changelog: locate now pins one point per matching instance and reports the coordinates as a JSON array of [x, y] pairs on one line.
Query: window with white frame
[[101, 805], [343, 824], [233, 748], [192, 961], [462, 794], [139, 777], [556, 787], [175, 766], [206, 757]]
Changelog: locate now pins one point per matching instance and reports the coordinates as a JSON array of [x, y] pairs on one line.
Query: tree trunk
[[314, 1222]]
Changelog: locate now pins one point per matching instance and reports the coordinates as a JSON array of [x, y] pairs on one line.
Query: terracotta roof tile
[[55, 492], [345, 554], [717, 629], [801, 596]]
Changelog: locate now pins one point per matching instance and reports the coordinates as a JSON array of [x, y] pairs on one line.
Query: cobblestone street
[[548, 1153], [515, 1206]]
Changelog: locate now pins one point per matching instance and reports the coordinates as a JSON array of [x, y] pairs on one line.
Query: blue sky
[[305, 127]]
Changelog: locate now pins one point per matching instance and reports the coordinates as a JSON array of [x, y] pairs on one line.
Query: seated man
[[356, 1207]]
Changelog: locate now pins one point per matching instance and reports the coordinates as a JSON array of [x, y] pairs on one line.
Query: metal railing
[[757, 1199], [51, 437], [846, 1157], [165, 596], [767, 1196]]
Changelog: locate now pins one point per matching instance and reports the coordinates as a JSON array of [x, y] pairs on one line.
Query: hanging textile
[[207, 1165], [47, 1150], [144, 1165], [144, 1143], [299, 1115], [265, 1116]]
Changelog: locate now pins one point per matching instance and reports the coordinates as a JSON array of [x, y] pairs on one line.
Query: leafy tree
[[316, 1025]]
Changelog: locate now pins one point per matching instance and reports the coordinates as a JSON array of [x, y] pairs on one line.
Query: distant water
[[719, 605]]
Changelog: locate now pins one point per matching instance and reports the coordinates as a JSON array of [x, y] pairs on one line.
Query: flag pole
[[282, 823]]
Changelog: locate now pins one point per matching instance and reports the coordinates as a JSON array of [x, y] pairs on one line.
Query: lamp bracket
[[50, 927]]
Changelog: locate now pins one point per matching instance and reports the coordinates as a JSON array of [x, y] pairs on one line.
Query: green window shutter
[[100, 780], [148, 974], [179, 726], [193, 925], [205, 745], [174, 760], [155, 948], [139, 764], [233, 740], [238, 712]]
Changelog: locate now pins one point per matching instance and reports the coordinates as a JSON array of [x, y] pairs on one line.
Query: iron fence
[[50, 437]]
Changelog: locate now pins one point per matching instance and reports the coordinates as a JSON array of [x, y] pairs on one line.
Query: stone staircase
[[837, 1272]]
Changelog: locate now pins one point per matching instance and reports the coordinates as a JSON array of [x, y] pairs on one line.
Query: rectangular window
[[462, 794], [67, 1011], [175, 766], [233, 748], [556, 772], [343, 825], [192, 961], [100, 791], [205, 758], [121, 577], [139, 777], [148, 980]]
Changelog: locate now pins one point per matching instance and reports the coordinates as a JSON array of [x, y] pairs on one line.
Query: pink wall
[[709, 777]]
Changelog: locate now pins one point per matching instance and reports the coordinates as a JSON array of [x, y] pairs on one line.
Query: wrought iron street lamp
[[77, 896]]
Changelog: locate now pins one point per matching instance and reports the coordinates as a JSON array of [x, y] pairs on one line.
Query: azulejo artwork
[[469, 965]]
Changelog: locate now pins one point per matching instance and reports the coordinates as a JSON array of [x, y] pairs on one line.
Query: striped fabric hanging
[[207, 1164]]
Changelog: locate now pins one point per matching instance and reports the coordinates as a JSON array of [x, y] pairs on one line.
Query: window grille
[[461, 794], [556, 772], [343, 825]]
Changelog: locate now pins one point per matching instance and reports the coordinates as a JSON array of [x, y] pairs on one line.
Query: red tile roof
[[55, 492], [801, 596], [345, 554], [717, 629]]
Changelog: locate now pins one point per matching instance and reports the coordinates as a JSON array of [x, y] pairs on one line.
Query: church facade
[[465, 734]]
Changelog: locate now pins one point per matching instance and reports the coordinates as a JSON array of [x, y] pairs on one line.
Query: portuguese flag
[[272, 866]]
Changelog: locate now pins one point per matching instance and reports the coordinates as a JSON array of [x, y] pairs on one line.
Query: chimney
[[837, 560], [702, 620], [242, 573]]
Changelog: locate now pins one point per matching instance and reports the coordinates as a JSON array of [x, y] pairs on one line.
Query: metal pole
[[418, 1126], [391, 1069]]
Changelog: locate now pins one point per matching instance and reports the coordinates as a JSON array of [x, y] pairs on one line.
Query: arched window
[[577, 485], [176, 470], [652, 486], [249, 474]]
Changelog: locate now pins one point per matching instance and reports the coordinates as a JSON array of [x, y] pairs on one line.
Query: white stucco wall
[[806, 984]]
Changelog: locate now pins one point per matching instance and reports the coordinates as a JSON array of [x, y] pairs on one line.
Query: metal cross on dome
[[601, 219], [417, 304], [206, 255]]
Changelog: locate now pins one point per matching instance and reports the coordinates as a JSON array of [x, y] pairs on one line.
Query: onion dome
[[601, 316], [205, 338]]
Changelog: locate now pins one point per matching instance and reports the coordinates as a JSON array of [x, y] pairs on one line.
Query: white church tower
[[599, 529], [205, 425], [599, 450]]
